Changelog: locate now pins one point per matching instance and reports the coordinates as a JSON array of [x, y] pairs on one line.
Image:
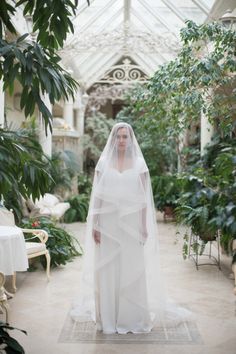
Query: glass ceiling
[[147, 31]]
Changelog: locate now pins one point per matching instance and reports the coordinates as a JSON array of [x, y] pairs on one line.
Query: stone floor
[[41, 308]]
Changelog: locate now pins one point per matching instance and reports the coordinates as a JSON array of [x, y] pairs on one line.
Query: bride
[[123, 291]]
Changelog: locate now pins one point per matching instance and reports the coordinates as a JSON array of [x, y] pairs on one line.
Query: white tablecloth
[[13, 255]]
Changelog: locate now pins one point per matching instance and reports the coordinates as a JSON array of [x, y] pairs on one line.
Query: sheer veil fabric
[[121, 288]]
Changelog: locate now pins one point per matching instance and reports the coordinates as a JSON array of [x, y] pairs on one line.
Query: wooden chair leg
[[6, 307], [3, 297], [48, 258], [234, 265], [234, 271], [14, 282]]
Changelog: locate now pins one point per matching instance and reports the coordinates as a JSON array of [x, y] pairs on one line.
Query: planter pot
[[234, 245], [207, 236], [169, 212]]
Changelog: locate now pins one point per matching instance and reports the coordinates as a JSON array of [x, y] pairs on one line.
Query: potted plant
[[7, 343], [197, 210], [166, 192], [63, 246]]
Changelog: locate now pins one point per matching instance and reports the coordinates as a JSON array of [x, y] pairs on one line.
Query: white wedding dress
[[122, 289]]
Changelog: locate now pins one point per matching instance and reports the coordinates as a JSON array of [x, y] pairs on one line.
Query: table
[[13, 254]]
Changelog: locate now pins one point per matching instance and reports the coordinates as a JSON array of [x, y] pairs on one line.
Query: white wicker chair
[[34, 249]]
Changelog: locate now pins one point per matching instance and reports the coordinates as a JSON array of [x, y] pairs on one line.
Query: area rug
[[85, 332]]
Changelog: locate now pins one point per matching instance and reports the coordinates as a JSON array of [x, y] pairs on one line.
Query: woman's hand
[[144, 236], [97, 236]]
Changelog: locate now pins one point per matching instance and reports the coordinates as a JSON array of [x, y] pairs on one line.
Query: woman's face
[[122, 139]]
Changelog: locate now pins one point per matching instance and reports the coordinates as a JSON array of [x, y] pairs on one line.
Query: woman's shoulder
[[141, 164], [100, 164]]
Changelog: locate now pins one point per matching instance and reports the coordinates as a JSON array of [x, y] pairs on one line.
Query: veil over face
[[125, 264], [121, 151]]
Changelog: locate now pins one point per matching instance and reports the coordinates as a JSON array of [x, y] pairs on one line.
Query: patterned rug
[[85, 332]]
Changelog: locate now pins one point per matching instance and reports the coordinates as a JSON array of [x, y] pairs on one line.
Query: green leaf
[[22, 38]]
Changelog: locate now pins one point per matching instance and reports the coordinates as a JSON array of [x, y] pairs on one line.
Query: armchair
[[34, 249], [48, 205], [3, 296]]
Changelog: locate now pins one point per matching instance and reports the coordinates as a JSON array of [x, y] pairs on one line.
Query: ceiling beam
[[157, 17], [140, 18], [104, 26], [127, 7], [105, 65], [148, 67], [92, 19], [174, 9], [81, 9], [202, 6]]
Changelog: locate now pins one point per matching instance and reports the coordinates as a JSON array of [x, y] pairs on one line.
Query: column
[[207, 131], [2, 104], [45, 140], [80, 114], [68, 113], [181, 144], [80, 107]]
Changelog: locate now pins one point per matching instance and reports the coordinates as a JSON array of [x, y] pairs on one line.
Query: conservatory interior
[[70, 70]]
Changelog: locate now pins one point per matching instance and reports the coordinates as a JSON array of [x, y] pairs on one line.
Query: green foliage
[[97, 130], [63, 247], [78, 208], [166, 191], [51, 19], [38, 71], [201, 79], [10, 345], [84, 184], [197, 247], [23, 167], [221, 163], [79, 204], [36, 64], [198, 79], [197, 207], [158, 149], [63, 167], [208, 202]]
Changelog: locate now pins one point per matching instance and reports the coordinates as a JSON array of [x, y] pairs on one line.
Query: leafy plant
[[63, 247], [200, 80], [84, 184], [7, 343], [78, 208], [209, 199], [158, 149], [221, 167], [79, 204], [166, 191], [23, 168], [38, 72], [52, 21], [97, 130], [197, 207], [198, 246], [36, 64], [63, 167]]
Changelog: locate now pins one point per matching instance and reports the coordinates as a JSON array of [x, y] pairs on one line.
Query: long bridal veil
[[126, 263]]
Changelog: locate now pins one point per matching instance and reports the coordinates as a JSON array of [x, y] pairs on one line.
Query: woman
[[121, 265]]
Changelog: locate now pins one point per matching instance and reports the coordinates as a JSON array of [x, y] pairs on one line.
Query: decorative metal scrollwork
[[126, 71], [126, 39]]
